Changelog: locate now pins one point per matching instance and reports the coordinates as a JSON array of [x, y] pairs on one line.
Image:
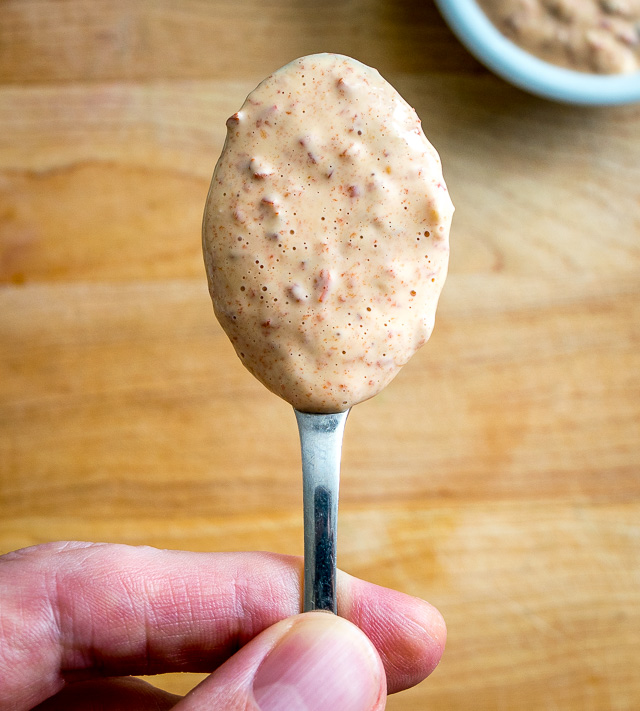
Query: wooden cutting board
[[497, 477]]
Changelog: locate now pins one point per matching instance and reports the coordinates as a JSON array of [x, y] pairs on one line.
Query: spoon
[[321, 446], [294, 217]]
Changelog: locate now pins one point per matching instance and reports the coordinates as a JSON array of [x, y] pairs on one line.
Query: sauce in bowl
[[594, 36]]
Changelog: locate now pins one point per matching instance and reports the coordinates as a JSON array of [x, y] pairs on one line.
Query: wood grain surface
[[498, 476]]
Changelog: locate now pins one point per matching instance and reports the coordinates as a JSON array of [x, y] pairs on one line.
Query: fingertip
[[313, 661], [322, 662], [428, 642], [409, 633]]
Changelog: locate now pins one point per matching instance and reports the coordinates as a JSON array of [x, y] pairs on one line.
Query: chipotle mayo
[[597, 36], [326, 233]]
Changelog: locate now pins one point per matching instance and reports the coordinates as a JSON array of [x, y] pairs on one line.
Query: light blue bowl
[[517, 66]]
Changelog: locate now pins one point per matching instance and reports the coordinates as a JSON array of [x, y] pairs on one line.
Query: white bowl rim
[[506, 59]]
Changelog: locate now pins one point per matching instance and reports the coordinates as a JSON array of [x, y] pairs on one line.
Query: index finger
[[72, 611]]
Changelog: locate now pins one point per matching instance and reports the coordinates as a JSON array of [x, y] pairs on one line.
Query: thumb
[[311, 662]]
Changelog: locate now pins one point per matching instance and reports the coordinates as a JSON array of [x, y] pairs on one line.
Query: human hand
[[76, 619]]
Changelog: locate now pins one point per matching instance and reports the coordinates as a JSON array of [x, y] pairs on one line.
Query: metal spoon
[[321, 445]]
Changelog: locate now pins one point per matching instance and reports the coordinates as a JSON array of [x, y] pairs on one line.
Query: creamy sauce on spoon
[[326, 233]]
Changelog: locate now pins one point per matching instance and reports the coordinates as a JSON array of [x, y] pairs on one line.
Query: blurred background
[[498, 476]]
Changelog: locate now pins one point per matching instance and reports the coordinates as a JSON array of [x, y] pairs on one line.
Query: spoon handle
[[321, 445]]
